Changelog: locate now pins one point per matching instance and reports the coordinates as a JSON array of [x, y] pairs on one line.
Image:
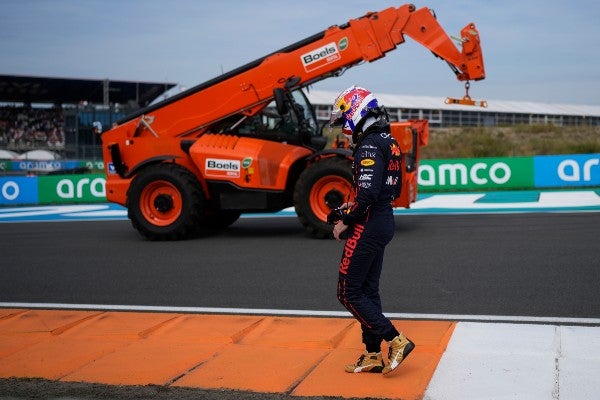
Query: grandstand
[[56, 114]]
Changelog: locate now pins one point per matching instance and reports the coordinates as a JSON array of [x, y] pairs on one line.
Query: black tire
[[165, 202], [322, 187]]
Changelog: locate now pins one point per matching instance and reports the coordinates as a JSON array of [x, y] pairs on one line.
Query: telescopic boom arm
[[250, 88]]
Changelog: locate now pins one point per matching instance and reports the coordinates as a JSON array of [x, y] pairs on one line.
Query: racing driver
[[368, 223]]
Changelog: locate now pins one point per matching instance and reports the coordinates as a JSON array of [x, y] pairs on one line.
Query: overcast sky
[[535, 50]]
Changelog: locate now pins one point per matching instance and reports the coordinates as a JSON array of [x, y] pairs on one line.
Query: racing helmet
[[349, 108]]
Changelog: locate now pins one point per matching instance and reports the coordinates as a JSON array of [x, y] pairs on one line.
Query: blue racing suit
[[377, 182]]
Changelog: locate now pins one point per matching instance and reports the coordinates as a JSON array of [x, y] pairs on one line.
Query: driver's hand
[[338, 229], [347, 205]]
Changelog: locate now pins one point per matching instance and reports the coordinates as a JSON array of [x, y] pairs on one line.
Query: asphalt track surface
[[523, 264], [530, 264]]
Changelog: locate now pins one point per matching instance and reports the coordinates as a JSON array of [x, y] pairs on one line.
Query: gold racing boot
[[368, 362], [400, 348]]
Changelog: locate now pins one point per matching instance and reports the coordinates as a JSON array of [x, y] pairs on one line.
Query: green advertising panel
[[92, 165], [5, 165], [57, 189], [476, 174]]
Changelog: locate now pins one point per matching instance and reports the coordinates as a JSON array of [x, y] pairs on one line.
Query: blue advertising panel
[[17, 190], [567, 170], [43, 166]]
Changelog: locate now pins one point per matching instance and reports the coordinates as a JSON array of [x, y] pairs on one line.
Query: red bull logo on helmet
[[360, 100]]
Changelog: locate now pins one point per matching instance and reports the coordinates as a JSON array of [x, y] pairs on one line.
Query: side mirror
[[280, 102]]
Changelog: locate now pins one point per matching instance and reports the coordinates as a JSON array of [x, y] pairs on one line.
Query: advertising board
[[84, 188], [476, 174], [16, 190], [479, 174], [567, 170]]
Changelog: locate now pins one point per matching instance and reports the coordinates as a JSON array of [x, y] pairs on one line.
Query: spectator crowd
[[25, 128]]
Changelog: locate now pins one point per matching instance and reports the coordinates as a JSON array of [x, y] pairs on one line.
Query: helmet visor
[[337, 113], [341, 106]]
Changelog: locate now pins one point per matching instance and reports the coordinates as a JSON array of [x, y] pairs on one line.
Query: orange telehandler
[[249, 141]]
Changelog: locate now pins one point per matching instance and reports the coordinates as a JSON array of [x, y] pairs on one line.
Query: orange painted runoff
[[290, 355]]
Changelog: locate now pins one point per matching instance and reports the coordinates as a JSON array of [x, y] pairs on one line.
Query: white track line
[[305, 313]]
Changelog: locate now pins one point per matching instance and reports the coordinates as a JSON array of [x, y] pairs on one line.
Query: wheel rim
[[328, 193], [161, 203]]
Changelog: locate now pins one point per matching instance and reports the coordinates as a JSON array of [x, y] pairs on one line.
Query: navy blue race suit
[[377, 182]]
